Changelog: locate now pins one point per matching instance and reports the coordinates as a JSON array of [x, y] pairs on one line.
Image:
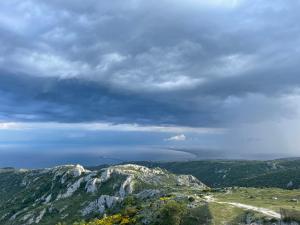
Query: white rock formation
[[48, 199], [40, 216], [74, 187], [100, 204], [126, 187], [189, 180], [78, 170], [91, 185]]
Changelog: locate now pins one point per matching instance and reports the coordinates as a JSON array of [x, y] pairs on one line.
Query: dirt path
[[267, 212]]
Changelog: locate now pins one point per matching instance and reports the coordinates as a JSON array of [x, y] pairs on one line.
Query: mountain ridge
[[42, 190], [135, 194]]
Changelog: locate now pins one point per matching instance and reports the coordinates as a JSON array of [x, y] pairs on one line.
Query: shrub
[[171, 213], [110, 220], [289, 215]]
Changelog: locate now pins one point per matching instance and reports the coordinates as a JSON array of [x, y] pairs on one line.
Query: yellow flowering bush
[[164, 198], [116, 219]]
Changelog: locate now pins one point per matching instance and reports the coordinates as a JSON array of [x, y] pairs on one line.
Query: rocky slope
[[133, 194], [71, 192]]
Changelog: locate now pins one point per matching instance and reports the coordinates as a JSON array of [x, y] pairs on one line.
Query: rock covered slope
[[71, 192]]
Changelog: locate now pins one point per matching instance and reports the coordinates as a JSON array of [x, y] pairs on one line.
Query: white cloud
[[111, 127], [234, 64], [47, 64], [215, 3], [109, 60], [179, 137], [9, 126]]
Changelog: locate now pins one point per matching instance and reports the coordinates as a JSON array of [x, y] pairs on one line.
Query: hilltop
[[245, 173], [72, 192], [133, 194]]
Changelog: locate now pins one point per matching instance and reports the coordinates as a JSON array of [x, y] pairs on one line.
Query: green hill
[[69, 193], [284, 173], [134, 194]]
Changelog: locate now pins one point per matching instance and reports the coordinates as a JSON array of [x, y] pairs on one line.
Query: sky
[[105, 81]]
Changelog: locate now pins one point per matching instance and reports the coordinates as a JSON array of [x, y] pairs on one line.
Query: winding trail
[[265, 211]]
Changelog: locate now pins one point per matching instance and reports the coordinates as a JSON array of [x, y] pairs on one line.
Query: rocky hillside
[[68, 193], [133, 194]]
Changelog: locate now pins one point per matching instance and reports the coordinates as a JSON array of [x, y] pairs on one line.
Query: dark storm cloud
[[195, 63], [73, 100]]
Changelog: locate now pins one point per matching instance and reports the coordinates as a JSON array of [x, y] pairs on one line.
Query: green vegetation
[[188, 211], [171, 213], [226, 173], [130, 194], [290, 215], [9, 183], [225, 215], [272, 198]]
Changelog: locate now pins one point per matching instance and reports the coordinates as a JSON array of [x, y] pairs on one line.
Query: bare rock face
[[71, 189], [78, 170], [100, 205], [91, 185], [189, 180]]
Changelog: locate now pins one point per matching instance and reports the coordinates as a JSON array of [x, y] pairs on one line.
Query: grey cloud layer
[[197, 63]]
